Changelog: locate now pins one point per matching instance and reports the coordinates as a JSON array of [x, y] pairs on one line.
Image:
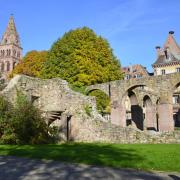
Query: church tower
[[10, 49]]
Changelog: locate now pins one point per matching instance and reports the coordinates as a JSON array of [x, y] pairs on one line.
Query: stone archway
[[136, 111], [102, 102], [149, 114]]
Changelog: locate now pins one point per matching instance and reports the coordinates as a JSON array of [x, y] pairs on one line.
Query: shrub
[[23, 123], [88, 110]]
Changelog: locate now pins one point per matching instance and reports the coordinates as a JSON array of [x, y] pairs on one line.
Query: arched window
[[8, 66], [18, 54], [14, 52], [2, 66]]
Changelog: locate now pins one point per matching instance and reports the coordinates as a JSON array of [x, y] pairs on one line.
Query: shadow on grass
[[94, 154]]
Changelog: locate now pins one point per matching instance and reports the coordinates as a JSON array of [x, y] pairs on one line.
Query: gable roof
[[170, 53]]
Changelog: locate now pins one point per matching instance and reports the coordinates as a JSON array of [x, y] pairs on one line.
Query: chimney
[[171, 32], [159, 51]]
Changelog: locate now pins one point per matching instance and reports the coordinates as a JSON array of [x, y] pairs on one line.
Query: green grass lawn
[[164, 157]]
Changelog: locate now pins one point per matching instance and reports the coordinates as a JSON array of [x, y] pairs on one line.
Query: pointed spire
[[171, 44], [10, 35]]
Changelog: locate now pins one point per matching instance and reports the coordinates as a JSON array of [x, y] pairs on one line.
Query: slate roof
[[173, 56]]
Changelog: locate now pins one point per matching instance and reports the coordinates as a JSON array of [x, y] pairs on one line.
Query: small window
[[178, 69], [176, 99], [128, 76], [163, 71]]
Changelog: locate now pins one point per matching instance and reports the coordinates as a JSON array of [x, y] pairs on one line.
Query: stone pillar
[[165, 113], [150, 118], [118, 114]]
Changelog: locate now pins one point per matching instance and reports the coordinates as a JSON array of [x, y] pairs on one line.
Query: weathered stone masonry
[[66, 109], [150, 99]]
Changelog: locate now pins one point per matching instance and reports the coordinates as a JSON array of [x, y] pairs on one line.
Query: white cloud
[[130, 15]]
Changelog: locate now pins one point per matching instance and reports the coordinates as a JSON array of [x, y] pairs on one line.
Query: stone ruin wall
[[58, 103]]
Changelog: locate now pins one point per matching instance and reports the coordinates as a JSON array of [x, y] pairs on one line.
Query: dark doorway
[[68, 128], [137, 116], [136, 111]]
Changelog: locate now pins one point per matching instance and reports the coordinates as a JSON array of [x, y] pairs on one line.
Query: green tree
[[23, 123], [102, 101], [31, 64], [82, 58]]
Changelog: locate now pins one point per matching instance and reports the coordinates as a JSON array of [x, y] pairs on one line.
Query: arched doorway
[[102, 102], [134, 112]]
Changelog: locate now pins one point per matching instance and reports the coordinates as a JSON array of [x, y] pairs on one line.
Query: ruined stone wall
[[96, 131], [56, 99], [160, 89]]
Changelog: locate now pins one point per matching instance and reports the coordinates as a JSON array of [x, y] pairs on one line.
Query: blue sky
[[133, 27]]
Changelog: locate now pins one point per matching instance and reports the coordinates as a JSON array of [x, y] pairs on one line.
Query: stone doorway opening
[[134, 112]]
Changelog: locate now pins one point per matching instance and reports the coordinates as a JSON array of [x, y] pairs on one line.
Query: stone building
[[145, 103], [10, 49], [134, 71], [168, 61], [168, 57]]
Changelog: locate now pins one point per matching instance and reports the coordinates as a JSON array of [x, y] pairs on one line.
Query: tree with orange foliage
[[31, 64]]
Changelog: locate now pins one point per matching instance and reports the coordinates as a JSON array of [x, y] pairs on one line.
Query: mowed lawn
[[163, 157]]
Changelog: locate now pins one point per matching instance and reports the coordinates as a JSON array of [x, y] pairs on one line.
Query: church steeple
[[10, 49], [10, 36]]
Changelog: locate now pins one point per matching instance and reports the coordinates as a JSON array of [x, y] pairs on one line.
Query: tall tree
[[82, 58], [31, 64]]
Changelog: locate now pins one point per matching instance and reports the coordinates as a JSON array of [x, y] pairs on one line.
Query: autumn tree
[[31, 64], [82, 58]]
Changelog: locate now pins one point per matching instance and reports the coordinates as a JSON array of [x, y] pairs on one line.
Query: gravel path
[[13, 168]]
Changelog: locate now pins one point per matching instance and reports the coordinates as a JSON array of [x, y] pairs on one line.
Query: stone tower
[[10, 49]]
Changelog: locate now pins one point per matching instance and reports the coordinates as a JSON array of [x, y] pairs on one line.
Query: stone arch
[[91, 89], [134, 112], [149, 110], [102, 102], [131, 88], [176, 85]]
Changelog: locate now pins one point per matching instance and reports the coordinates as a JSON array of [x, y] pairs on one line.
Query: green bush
[[102, 101], [88, 110], [23, 123]]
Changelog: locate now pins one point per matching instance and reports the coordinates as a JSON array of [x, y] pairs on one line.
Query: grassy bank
[[164, 157]]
